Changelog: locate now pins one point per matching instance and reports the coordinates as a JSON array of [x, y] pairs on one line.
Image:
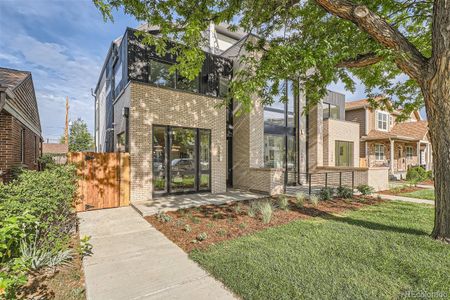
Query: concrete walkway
[[176, 202], [132, 260], [404, 199]]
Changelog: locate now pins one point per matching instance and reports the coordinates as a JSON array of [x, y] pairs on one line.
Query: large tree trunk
[[436, 90], [439, 125]]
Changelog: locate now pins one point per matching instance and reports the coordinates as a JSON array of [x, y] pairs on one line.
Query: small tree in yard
[[80, 138], [396, 48]]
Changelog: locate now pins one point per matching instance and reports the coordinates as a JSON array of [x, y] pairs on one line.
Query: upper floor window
[[409, 152], [160, 75], [330, 111], [379, 152], [382, 120], [117, 74], [185, 84]]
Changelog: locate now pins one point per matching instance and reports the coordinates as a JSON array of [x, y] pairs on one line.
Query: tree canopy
[[296, 40], [80, 139]]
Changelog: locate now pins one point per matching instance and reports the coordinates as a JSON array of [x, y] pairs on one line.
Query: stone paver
[[404, 199], [175, 202], [132, 260]]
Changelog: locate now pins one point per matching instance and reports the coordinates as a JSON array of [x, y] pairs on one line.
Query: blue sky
[[64, 43]]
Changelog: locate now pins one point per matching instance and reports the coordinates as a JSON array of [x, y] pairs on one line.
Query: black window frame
[[168, 143]]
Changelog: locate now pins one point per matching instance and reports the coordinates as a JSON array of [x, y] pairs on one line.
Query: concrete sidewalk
[[404, 199], [132, 260]]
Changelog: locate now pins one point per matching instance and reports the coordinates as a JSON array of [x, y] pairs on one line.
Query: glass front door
[[181, 160]]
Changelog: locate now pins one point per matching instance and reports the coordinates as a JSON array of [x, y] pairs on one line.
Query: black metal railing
[[314, 182]]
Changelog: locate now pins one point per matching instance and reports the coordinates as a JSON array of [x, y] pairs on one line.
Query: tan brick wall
[[315, 138], [337, 130], [358, 116], [152, 105]]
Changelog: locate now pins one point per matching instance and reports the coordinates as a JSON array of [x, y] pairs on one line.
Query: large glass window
[[181, 159], [344, 154], [159, 159], [330, 111], [160, 75], [204, 159], [279, 130], [117, 75], [182, 156], [188, 85]]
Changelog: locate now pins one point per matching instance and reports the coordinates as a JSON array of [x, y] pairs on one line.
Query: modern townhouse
[[181, 141], [386, 142]]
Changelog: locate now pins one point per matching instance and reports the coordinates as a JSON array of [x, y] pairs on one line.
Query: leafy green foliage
[[365, 189], [295, 40], [344, 192], [163, 217], [85, 248], [80, 139], [36, 219], [415, 175], [326, 193]]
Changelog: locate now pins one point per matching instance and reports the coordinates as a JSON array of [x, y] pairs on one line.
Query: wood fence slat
[[104, 179]]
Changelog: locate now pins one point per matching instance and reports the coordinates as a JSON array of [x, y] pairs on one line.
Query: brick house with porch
[[386, 142], [20, 127]]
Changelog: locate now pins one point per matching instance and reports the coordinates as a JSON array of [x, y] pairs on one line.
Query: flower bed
[[199, 227]]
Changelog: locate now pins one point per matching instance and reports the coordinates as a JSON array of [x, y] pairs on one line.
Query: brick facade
[[163, 106], [10, 146]]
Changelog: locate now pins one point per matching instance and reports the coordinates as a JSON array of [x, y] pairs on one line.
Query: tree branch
[[409, 59], [362, 60]]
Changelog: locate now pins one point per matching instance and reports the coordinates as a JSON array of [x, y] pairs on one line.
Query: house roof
[[54, 148], [411, 131], [18, 98], [364, 103], [11, 78]]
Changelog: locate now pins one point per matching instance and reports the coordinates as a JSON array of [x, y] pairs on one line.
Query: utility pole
[[66, 128]]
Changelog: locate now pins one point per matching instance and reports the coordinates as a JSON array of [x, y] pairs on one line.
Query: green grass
[[380, 252], [421, 194]]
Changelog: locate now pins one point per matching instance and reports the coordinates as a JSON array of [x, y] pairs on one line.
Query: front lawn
[[421, 194], [378, 252]]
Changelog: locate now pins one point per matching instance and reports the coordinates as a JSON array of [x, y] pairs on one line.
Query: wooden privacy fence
[[104, 179]]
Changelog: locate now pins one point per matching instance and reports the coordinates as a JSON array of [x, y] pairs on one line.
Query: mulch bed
[[395, 192], [428, 182], [229, 221]]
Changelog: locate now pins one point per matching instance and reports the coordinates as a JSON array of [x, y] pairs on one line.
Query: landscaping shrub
[[283, 202], [415, 175], [314, 199], [300, 199], [36, 222], [344, 192], [163, 217], [253, 209], [365, 189], [266, 210], [429, 174], [202, 236], [326, 193]]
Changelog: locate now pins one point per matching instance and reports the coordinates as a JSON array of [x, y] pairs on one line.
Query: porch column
[[392, 157], [418, 154]]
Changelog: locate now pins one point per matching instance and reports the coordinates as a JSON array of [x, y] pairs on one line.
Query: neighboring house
[[57, 151], [20, 127], [386, 142], [181, 141]]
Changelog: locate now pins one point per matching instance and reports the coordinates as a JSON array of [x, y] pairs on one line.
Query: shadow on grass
[[372, 225]]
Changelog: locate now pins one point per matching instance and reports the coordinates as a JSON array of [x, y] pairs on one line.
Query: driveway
[[132, 260]]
